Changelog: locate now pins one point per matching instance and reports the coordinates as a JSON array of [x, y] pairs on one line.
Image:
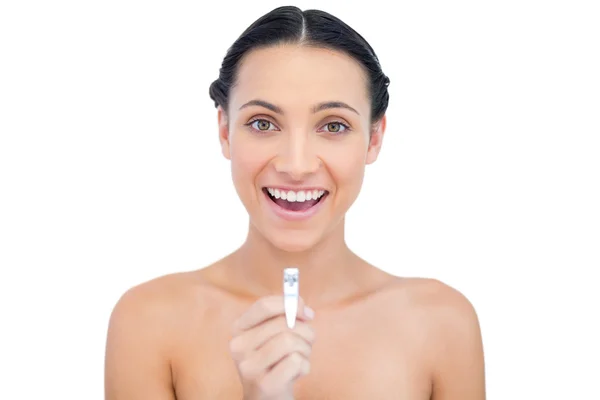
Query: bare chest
[[352, 358]]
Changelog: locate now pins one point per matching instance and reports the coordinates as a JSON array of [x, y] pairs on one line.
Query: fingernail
[[309, 312]]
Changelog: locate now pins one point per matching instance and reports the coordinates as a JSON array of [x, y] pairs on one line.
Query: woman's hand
[[269, 355]]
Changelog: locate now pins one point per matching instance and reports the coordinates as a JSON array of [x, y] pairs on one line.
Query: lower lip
[[295, 215]]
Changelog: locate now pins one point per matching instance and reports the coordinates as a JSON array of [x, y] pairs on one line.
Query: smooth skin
[[220, 332]]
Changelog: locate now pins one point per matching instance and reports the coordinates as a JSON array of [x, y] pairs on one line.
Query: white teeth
[[299, 196]]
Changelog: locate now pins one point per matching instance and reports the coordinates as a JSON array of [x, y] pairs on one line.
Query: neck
[[328, 271]]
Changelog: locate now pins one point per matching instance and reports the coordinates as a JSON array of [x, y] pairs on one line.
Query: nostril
[[298, 166]]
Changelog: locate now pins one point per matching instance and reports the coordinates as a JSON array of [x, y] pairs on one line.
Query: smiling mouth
[[297, 204]]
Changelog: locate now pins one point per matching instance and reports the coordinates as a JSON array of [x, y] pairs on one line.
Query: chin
[[293, 241]]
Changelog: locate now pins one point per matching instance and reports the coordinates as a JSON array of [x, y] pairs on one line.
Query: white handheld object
[[290, 295]]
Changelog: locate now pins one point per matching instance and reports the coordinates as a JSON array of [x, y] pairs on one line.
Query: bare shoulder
[[440, 301], [449, 322], [142, 326], [151, 302], [441, 310]]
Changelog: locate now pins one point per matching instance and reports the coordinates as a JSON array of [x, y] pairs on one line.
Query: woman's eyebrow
[[265, 104], [319, 107], [332, 104]]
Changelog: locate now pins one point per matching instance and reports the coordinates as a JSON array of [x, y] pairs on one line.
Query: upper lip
[[296, 188]]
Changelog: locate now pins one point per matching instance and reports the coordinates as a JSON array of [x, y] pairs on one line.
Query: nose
[[297, 157]]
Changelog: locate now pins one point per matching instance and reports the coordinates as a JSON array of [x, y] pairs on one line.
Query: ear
[[224, 133], [375, 140]]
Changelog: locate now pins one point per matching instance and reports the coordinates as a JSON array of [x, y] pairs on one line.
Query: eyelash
[[346, 127]]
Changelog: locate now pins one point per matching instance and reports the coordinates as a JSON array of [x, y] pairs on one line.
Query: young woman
[[301, 101]]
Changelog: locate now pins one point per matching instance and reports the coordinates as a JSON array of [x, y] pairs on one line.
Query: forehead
[[300, 75]]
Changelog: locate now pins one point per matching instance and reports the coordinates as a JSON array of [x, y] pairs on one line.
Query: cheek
[[247, 161], [347, 165], [244, 163]]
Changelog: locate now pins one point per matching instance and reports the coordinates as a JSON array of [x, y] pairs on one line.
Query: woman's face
[[297, 134]]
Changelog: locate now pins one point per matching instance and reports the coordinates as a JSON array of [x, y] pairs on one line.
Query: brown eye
[[336, 127], [261, 125], [333, 127]]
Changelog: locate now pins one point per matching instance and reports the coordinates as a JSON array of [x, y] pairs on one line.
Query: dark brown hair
[[312, 28]]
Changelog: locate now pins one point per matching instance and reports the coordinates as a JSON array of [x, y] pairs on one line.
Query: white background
[[489, 180]]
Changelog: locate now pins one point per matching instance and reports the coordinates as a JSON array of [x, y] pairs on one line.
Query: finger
[[278, 348], [259, 362], [258, 336], [251, 340], [284, 372], [267, 308]]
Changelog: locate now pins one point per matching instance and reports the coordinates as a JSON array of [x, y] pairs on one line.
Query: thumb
[[304, 311]]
